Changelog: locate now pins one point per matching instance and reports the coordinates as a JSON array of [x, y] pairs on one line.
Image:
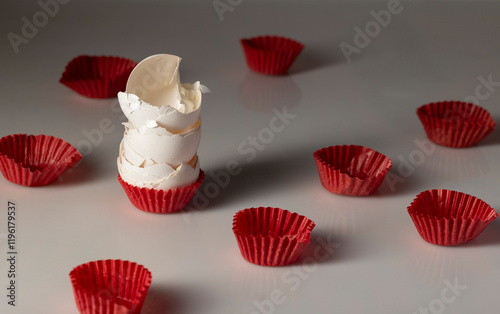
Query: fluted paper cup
[[97, 76], [351, 169], [35, 160], [270, 54], [455, 123], [110, 286], [445, 217], [270, 236], [160, 201]]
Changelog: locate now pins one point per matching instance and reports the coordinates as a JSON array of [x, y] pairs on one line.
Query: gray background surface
[[430, 51]]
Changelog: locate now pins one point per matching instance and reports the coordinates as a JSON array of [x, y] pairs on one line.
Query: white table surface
[[430, 51]]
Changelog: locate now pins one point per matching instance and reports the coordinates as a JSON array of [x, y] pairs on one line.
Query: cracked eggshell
[[158, 94], [156, 80], [131, 155], [160, 146], [139, 112], [157, 145], [160, 176]]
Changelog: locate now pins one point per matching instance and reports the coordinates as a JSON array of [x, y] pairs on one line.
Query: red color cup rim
[[78, 285], [69, 162], [318, 156], [415, 209], [71, 73], [429, 110], [303, 236], [253, 43]]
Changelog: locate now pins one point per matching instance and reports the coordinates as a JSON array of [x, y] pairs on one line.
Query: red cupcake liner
[[351, 170], [110, 286], [270, 54], [159, 201], [35, 160], [270, 236], [97, 76], [455, 123], [445, 217]]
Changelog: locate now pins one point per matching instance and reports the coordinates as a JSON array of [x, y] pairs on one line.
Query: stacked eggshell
[[159, 148]]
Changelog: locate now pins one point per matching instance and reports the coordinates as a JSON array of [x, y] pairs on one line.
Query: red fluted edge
[[270, 236], [445, 217], [35, 160], [97, 76], [455, 123], [351, 170], [271, 54], [159, 201], [110, 287]]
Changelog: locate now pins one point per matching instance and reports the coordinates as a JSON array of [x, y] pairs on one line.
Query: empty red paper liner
[[351, 169], [110, 287], [159, 201], [270, 236], [447, 217], [455, 123], [97, 76], [35, 160], [270, 54]]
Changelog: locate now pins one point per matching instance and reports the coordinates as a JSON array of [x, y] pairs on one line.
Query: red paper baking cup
[[159, 201], [271, 54], [110, 287], [455, 123], [35, 160], [351, 170], [270, 236], [445, 217], [97, 76]]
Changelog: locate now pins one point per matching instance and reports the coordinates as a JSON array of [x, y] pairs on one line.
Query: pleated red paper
[[445, 217], [270, 54], [455, 123], [97, 76], [110, 287], [351, 170], [159, 201], [35, 160], [270, 236]]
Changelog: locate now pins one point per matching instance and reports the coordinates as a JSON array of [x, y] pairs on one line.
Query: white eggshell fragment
[[160, 146], [159, 176], [158, 150], [156, 80], [138, 112]]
